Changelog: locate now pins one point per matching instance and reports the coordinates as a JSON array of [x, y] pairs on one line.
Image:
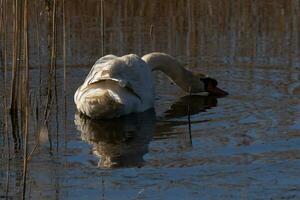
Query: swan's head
[[210, 86]]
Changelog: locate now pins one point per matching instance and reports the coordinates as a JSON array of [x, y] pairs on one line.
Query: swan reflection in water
[[119, 142], [123, 142]]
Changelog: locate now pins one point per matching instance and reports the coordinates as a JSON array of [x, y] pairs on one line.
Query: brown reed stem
[[98, 14], [5, 56], [2, 36], [38, 46], [102, 27], [7, 169], [64, 44], [13, 95], [20, 70], [1, 33], [65, 69], [32, 151], [53, 61], [189, 117], [5, 110], [25, 97], [5, 70], [151, 32]]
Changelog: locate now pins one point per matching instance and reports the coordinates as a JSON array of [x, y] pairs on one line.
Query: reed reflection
[[120, 142]]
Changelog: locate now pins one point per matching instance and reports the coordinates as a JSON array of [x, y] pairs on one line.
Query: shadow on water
[[194, 104], [123, 142]]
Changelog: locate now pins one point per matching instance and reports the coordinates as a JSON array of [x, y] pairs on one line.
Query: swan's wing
[[96, 71], [112, 68], [138, 76], [129, 71]]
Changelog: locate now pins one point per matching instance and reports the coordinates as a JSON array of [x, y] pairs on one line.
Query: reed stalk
[[102, 27], [56, 119], [53, 62], [25, 97], [2, 15], [7, 169], [189, 117], [37, 28], [13, 94], [1, 33], [5, 110], [64, 45], [2, 36], [5, 69], [52, 70], [5, 61], [65, 72], [151, 32], [98, 14], [8, 162], [20, 70]]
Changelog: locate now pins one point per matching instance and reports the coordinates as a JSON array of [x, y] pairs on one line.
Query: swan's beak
[[214, 90]]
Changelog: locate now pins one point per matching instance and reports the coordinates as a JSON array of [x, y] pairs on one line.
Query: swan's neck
[[184, 78]]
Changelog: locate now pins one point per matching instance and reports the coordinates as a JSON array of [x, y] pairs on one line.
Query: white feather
[[116, 86]]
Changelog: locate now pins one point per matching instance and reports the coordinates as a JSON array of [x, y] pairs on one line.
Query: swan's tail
[[104, 105], [107, 99]]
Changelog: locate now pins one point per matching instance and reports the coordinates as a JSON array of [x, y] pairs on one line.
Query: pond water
[[243, 146]]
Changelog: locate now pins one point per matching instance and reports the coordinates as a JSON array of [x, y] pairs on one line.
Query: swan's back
[[116, 86]]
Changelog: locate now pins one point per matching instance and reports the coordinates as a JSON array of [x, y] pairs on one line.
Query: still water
[[243, 146]]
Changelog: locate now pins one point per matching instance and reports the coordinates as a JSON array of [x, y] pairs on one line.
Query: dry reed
[[25, 97], [37, 28], [189, 117], [65, 70], [3, 55], [14, 94], [52, 69], [5, 70], [5, 106], [64, 44], [102, 28], [151, 32], [1, 33]]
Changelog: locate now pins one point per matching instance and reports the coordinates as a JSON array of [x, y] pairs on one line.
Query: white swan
[[118, 86]]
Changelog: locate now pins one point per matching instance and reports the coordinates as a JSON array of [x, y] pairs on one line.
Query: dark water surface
[[243, 146]]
